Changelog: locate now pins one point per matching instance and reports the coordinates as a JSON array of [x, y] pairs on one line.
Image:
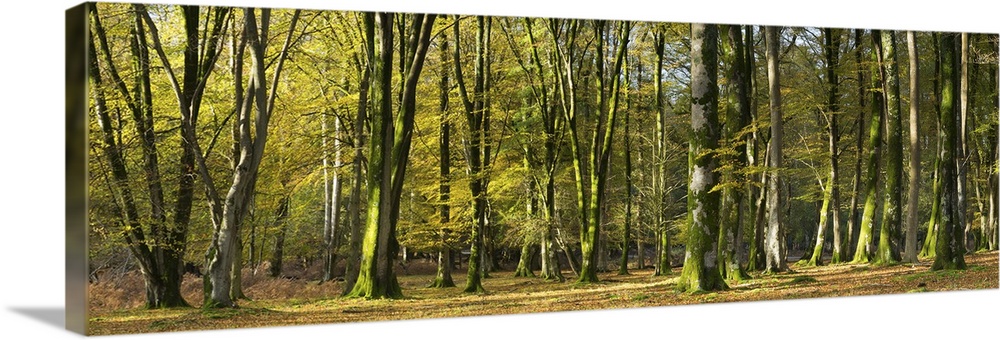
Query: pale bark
[[701, 272], [661, 264], [774, 243], [914, 169], [332, 195]]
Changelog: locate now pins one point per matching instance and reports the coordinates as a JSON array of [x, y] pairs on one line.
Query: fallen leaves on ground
[[280, 302]]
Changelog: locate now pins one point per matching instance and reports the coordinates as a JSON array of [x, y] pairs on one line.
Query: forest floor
[[115, 307]]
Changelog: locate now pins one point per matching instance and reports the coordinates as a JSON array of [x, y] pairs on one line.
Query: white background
[[32, 190]]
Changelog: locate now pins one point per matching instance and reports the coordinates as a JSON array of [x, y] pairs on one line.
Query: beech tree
[[889, 235], [914, 168], [865, 247], [591, 177], [700, 272], [389, 149], [774, 243], [160, 252], [950, 252], [477, 152]]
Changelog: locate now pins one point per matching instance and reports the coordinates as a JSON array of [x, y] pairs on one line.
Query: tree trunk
[[627, 226], [731, 221], [161, 260], [832, 49], [774, 243], [332, 203], [889, 235], [476, 115], [360, 123], [950, 252], [914, 186], [388, 155], [863, 251], [443, 277], [851, 239], [962, 158], [701, 272], [281, 219], [661, 263]]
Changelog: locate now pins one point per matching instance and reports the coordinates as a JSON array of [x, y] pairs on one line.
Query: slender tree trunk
[[332, 218], [755, 259], [914, 186], [627, 227], [360, 126], [526, 255], [701, 272], [774, 243], [443, 277], [962, 158], [661, 264], [851, 239], [476, 116], [278, 255], [832, 49]]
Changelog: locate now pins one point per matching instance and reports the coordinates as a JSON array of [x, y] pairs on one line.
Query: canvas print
[[252, 167]]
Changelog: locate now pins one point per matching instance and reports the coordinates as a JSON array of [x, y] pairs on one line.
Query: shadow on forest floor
[[289, 302]]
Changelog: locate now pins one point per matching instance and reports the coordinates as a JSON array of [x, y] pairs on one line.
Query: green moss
[[803, 279]]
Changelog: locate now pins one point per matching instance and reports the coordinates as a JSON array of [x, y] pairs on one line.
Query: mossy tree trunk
[[774, 241], [914, 168], [863, 253], [477, 152], [831, 200], [388, 156], [889, 235], [950, 250], [736, 119], [366, 66], [590, 173], [701, 271]]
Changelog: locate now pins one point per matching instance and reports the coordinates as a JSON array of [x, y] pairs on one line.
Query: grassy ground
[[115, 308]]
